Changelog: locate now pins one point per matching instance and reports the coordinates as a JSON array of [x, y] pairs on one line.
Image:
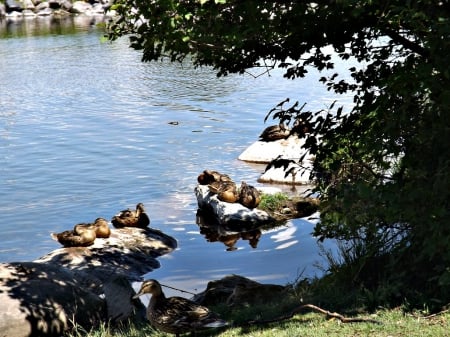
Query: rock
[[230, 214], [47, 11], [28, 4], [42, 6], [43, 299], [265, 152], [130, 252], [79, 285], [67, 5], [287, 171], [28, 13], [81, 7], [237, 290], [120, 306], [12, 6]]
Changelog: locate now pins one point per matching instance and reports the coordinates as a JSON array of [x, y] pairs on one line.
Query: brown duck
[[101, 228], [130, 218], [225, 190], [249, 196], [275, 132], [208, 176], [82, 235], [176, 315]]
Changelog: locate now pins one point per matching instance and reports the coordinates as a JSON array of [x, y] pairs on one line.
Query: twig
[[436, 314], [314, 308]]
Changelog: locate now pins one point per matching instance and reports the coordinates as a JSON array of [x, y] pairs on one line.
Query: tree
[[382, 168]]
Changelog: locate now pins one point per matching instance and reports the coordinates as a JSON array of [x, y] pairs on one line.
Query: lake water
[[86, 130]]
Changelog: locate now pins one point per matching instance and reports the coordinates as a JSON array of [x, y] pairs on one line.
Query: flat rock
[[229, 214], [287, 171], [79, 285], [265, 152]]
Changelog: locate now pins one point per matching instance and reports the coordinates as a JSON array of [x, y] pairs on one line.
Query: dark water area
[[87, 129]]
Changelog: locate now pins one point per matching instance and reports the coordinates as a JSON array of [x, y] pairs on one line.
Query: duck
[[225, 190], [130, 218], [274, 132], [249, 196], [176, 315], [102, 229], [208, 176], [82, 235]]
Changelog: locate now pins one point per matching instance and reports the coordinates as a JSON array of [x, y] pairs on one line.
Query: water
[[86, 130]]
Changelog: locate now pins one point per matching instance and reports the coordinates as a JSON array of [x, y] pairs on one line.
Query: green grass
[[394, 323], [272, 202]]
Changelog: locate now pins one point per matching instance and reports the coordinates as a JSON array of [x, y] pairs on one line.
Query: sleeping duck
[[208, 176], [176, 315], [101, 227], [82, 235], [249, 196], [275, 132], [225, 190], [130, 218]]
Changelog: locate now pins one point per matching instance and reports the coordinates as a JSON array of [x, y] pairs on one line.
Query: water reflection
[[47, 25], [214, 232]]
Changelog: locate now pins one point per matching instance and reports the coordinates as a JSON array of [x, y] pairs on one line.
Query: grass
[[272, 202], [394, 323]]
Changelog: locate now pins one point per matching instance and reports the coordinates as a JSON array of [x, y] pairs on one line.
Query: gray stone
[[237, 290], [265, 152], [13, 6], [79, 285], [42, 6], [229, 214], [81, 7], [43, 300], [287, 171], [47, 11], [28, 4]]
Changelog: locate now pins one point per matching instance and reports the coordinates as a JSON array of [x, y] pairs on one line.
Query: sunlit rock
[[265, 152], [81, 7], [227, 213], [287, 171]]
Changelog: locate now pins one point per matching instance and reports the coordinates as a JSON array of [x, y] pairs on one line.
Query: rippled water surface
[[85, 131]]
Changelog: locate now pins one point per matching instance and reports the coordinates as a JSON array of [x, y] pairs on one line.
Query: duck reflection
[[214, 232]]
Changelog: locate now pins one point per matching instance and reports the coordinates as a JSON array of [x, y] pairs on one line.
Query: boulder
[[237, 290], [43, 300], [79, 285], [287, 171], [28, 4], [265, 152], [81, 7], [12, 6], [228, 214]]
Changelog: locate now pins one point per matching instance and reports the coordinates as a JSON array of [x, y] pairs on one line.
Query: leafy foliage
[[382, 168]]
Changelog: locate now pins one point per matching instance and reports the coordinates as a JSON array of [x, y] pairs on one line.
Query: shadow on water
[[43, 26]]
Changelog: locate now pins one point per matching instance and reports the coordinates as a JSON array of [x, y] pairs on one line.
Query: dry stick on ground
[[314, 308]]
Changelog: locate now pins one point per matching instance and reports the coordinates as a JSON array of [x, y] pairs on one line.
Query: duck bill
[[136, 296]]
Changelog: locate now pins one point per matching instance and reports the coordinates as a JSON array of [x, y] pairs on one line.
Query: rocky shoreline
[[16, 10]]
